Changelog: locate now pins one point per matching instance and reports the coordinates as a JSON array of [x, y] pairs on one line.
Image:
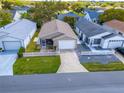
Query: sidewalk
[[70, 63]]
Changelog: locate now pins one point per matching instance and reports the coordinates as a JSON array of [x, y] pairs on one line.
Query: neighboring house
[[93, 15], [115, 25], [70, 14], [94, 35], [17, 34], [21, 10], [15, 15], [58, 34]]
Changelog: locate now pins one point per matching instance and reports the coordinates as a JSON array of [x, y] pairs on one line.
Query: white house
[[57, 34], [15, 15], [22, 9], [17, 34], [93, 15], [94, 35]]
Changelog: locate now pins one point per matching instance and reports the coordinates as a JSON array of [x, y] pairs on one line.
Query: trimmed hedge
[[21, 51]]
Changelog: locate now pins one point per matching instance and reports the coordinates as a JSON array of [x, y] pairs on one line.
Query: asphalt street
[[92, 82]]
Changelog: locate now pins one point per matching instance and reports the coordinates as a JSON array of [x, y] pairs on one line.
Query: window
[[97, 41], [87, 40]]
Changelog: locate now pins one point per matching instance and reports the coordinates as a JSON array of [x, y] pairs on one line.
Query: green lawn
[[36, 65], [112, 66], [32, 47]]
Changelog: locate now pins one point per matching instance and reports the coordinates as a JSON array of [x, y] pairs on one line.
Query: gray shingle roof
[[70, 14], [89, 28], [94, 14]]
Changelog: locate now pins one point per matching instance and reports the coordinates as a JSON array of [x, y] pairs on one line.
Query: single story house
[[115, 26], [15, 15], [22, 9], [93, 15], [57, 34], [69, 14], [17, 34], [94, 35]]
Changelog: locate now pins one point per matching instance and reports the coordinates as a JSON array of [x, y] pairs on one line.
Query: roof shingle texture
[[88, 28], [56, 26], [116, 24], [19, 29]]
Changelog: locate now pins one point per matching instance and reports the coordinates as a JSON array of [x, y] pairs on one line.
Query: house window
[[87, 40], [43, 42], [97, 41]]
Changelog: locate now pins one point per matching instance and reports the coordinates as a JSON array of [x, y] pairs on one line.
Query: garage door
[[115, 43], [12, 45], [67, 44]]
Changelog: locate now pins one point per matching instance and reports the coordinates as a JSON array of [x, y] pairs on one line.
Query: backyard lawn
[[32, 47], [36, 65], [111, 66]]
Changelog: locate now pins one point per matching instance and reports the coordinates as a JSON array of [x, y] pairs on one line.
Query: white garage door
[[11, 45], [67, 44], [115, 43]]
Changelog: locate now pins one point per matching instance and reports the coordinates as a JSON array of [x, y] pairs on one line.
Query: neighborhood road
[[70, 63], [92, 82]]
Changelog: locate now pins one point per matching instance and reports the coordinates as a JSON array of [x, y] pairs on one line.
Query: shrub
[[21, 51], [1, 49]]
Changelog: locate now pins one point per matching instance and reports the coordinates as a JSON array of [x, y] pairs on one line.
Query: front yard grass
[[32, 47], [36, 65], [111, 66]]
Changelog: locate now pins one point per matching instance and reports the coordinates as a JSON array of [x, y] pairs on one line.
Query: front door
[[43, 44]]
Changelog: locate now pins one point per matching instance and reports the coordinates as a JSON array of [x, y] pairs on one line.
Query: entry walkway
[[70, 63]]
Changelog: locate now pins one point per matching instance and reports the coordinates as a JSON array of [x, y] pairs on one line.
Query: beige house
[[57, 34]]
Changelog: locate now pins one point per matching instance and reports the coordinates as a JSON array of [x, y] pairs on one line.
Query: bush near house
[[96, 66], [36, 65], [20, 52]]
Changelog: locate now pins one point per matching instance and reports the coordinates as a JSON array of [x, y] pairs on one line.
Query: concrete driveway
[[7, 60], [70, 63]]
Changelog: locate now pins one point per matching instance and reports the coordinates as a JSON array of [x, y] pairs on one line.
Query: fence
[[96, 53], [40, 54]]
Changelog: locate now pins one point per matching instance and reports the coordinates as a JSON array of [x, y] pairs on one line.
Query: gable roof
[[94, 14], [56, 26], [89, 28], [70, 14], [2, 34], [19, 29], [116, 24]]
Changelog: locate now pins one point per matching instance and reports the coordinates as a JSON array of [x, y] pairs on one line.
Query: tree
[[8, 4], [77, 7], [0, 5], [70, 20], [44, 11], [112, 14], [5, 18]]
